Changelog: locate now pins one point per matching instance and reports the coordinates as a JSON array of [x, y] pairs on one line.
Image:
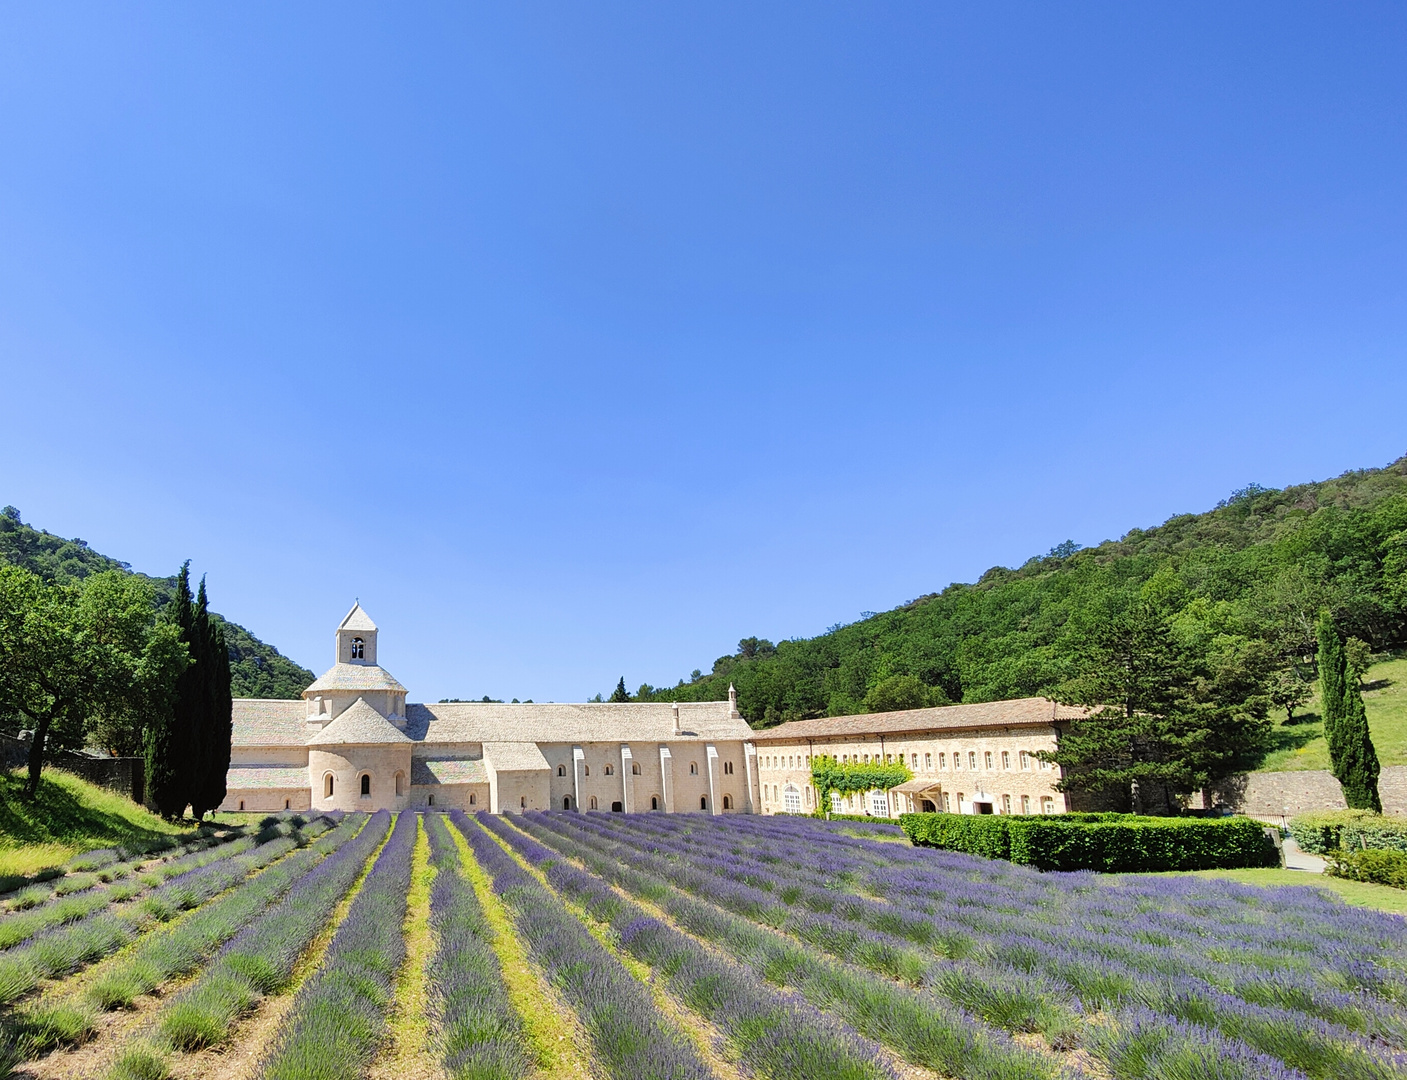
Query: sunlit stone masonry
[[353, 743]]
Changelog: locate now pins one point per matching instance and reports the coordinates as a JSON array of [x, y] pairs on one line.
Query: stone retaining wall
[[124, 775], [1272, 794]]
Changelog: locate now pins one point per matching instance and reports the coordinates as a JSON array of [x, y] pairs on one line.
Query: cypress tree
[[167, 740], [218, 719], [1333, 677], [620, 693], [1352, 756]]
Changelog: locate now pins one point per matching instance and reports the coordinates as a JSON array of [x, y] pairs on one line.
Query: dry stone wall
[[1272, 794]]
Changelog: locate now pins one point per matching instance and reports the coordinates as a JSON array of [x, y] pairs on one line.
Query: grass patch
[[1301, 745], [66, 817]]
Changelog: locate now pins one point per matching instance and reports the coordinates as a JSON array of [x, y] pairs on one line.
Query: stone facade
[[353, 743], [967, 759]]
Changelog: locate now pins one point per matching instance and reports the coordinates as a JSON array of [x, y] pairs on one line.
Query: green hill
[[68, 816], [256, 669], [1256, 568]]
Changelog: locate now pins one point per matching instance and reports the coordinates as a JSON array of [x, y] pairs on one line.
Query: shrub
[[1324, 831], [1107, 842], [1378, 866]]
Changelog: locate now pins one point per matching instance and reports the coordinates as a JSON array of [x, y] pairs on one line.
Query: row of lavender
[[1304, 951], [69, 1016], [630, 1038], [264, 927], [998, 940]]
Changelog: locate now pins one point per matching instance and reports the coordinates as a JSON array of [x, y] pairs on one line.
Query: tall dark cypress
[[1352, 756], [200, 704], [218, 721], [167, 742], [1357, 766]]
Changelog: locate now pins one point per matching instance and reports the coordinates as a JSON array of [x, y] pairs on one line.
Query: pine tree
[[1352, 756], [167, 740], [620, 693]]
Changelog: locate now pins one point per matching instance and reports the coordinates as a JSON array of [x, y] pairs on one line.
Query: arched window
[[400, 783], [693, 768], [366, 785], [566, 802], [593, 802], [430, 800], [703, 802], [586, 770], [523, 802], [327, 786], [728, 768], [561, 770], [654, 802], [791, 799], [610, 770], [473, 799], [727, 802], [241, 804], [635, 768], [286, 804], [358, 652]]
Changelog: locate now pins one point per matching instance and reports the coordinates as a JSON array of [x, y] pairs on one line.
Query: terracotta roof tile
[[1034, 710]]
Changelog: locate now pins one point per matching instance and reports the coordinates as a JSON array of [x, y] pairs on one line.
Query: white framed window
[[927, 762], [1025, 804], [1047, 805], [1025, 760], [972, 759], [1006, 760], [791, 799], [879, 803], [1006, 804], [987, 760]]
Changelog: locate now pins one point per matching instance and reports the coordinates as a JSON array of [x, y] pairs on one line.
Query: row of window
[[635, 769], [618, 807], [1026, 759], [329, 783]]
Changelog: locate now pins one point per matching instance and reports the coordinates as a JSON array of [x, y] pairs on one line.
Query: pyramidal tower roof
[[360, 725], [357, 619]]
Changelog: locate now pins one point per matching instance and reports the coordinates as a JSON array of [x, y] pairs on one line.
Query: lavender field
[[618, 947]]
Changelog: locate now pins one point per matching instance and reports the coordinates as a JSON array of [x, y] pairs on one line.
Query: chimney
[[676, 718], [733, 713]]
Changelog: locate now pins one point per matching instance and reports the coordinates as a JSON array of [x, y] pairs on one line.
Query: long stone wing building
[[353, 743]]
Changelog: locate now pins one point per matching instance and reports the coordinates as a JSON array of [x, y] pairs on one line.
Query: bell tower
[[356, 638]]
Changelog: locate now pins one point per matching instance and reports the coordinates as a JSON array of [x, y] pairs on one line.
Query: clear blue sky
[[581, 340]]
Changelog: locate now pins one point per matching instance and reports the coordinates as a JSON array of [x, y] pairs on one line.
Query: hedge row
[[1324, 831], [1380, 867], [1106, 842]]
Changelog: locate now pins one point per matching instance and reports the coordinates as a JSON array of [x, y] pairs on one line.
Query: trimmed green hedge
[[1324, 831], [1105, 842], [1379, 867]]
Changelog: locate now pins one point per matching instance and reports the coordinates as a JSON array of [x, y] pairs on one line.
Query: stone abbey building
[[353, 743]]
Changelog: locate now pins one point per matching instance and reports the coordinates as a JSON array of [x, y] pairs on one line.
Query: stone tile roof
[[357, 677], [357, 619], [244, 777], [515, 756], [588, 722], [448, 771], [1034, 710], [263, 722], [359, 725]]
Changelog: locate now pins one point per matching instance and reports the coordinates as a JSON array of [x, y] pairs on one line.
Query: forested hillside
[[256, 669], [1244, 579]]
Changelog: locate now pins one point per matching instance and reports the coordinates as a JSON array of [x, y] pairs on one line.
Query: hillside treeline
[[1241, 585], [257, 670]]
